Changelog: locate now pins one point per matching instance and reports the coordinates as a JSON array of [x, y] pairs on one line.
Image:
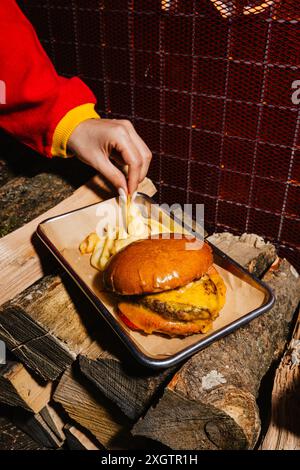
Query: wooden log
[[77, 439], [19, 388], [24, 198], [21, 265], [11, 437], [133, 387], [284, 429], [130, 386], [43, 327], [211, 401], [53, 419], [36, 427], [87, 407], [249, 250]]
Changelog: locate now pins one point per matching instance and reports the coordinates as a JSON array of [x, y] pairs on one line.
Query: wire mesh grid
[[209, 86]]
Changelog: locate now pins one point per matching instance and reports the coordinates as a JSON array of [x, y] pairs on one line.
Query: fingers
[[134, 162], [93, 140], [110, 171], [143, 151], [137, 155], [133, 177], [132, 158]]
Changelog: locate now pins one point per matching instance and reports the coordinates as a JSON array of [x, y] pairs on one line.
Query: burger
[[166, 285]]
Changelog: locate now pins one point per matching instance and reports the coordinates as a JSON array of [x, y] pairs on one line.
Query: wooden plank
[[20, 264], [87, 407], [284, 429], [133, 387], [211, 401], [20, 388]]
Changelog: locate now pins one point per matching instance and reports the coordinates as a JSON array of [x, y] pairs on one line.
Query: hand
[[93, 140]]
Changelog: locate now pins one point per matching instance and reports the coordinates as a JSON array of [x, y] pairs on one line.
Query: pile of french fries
[[136, 227]]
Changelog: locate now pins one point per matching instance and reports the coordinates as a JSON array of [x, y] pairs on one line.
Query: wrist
[[66, 127]]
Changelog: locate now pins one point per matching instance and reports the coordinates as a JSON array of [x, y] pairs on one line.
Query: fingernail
[[133, 196], [122, 194]]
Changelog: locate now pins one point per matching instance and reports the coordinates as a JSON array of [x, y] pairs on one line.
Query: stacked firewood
[[68, 380]]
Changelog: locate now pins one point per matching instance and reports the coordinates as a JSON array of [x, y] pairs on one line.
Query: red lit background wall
[[208, 89]]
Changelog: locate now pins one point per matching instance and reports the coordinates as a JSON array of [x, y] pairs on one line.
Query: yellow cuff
[[66, 126]]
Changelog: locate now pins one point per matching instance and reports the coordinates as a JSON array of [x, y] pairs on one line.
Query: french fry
[[96, 256], [137, 227], [106, 253], [89, 243]]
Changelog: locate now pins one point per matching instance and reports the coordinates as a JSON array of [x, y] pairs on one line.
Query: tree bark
[[211, 401], [23, 198], [5, 172]]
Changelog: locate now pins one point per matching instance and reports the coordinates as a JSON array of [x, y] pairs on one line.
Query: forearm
[[39, 108]]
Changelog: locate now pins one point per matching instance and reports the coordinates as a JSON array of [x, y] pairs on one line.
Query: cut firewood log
[[89, 408], [284, 429], [11, 437], [133, 387], [36, 427], [20, 263], [78, 440], [130, 386], [20, 388], [210, 403], [43, 328], [53, 419], [249, 250]]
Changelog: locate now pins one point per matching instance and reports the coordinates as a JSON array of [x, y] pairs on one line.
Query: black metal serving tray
[[220, 259]]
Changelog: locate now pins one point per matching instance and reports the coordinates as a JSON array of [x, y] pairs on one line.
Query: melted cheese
[[207, 293], [148, 321]]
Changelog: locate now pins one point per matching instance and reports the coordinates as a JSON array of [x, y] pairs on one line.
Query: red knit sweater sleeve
[[33, 97]]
